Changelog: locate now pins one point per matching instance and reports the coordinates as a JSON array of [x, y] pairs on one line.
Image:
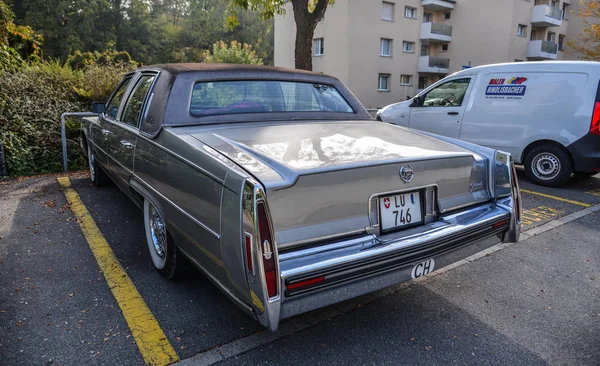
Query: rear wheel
[[548, 165], [97, 175], [166, 257]]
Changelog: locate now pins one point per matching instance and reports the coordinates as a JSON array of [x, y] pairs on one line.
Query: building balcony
[[435, 65], [542, 50], [438, 5], [436, 32], [546, 16]]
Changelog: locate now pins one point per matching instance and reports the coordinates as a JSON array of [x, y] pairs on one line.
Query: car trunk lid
[[321, 177]]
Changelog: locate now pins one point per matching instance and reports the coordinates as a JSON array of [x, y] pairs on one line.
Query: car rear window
[[256, 96]]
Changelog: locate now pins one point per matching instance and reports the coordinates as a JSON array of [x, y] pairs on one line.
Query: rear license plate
[[400, 211]]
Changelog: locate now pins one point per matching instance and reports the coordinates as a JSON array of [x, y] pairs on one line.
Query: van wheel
[[166, 257], [548, 165]]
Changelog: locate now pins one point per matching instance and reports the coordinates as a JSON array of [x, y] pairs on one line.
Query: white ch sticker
[[423, 268]]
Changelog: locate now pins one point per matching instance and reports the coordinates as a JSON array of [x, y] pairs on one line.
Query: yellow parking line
[[150, 338], [594, 192], [557, 198]]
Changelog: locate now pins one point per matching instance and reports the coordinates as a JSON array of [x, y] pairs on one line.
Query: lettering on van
[[506, 89]]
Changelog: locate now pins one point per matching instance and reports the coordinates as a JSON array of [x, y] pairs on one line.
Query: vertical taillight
[[259, 248], [595, 125], [517, 193], [266, 249], [248, 240]]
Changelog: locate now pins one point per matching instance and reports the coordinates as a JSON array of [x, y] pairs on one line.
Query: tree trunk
[[306, 22]]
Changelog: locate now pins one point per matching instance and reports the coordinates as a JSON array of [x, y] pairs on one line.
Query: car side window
[[449, 94], [113, 105], [133, 108]]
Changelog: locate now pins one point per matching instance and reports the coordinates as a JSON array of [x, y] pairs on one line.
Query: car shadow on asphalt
[[193, 313]]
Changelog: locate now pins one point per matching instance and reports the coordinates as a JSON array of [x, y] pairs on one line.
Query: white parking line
[[256, 340]]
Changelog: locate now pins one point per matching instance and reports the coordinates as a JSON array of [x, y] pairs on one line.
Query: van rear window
[[264, 96]]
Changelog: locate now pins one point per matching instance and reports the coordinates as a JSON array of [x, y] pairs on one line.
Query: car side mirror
[[417, 101], [98, 107]]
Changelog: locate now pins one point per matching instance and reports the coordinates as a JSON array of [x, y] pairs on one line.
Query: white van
[[546, 114]]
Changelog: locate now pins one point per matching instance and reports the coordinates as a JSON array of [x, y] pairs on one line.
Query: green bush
[[31, 101], [80, 60], [236, 53]]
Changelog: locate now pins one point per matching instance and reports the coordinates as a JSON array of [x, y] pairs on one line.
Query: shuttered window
[[387, 11]]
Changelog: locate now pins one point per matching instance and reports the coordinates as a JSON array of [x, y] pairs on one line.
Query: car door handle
[[453, 113], [127, 144], [106, 133]]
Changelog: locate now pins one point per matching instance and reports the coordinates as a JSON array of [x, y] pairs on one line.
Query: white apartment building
[[386, 51]]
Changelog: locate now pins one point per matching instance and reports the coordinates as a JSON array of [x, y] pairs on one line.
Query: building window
[[410, 12], [561, 42], [385, 47], [387, 11], [447, 15], [565, 14], [408, 46], [444, 48], [427, 17], [405, 79], [318, 47], [551, 37], [383, 84], [422, 82], [522, 30]]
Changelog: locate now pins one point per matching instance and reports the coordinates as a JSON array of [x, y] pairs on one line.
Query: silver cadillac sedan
[[279, 186]]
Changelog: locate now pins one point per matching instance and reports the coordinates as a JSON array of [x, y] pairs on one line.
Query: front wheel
[[166, 257], [548, 165]]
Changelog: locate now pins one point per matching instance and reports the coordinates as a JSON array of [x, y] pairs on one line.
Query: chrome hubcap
[[545, 166], [158, 232]]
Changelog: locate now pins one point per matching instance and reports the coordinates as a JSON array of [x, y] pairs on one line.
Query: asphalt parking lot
[[534, 302]]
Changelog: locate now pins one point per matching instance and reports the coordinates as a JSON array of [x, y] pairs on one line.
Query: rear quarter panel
[[556, 106], [187, 185]]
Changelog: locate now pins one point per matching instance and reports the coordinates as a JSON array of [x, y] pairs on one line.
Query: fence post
[[3, 169]]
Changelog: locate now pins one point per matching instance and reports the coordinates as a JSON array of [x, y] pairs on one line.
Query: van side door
[[441, 109]]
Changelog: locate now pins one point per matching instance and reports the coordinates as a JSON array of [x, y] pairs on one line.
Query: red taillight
[[304, 283], [595, 126], [266, 249], [501, 223], [249, 252]]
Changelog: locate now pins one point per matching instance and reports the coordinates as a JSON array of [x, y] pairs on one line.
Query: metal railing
[[441, 29], [442, 63], [63, 132], [555, 13], [549, 47]]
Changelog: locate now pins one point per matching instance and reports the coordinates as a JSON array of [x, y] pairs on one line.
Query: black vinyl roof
[[177, 68]]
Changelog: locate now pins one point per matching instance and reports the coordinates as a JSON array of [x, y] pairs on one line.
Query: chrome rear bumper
[[342, 270]]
